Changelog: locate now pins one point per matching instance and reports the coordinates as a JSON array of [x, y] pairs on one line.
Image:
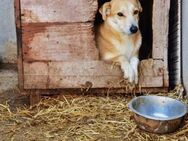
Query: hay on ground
[[84, 118]]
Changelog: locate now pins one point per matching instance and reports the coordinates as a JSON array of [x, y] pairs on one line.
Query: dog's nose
[[133, 29]]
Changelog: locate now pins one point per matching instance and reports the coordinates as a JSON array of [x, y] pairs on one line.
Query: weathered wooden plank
[[150, 82], [151, 68], [19, 44], [60, 81], [35, 75], [53, 75], [34, 98], [160, 26], [84, 68], [151, 73], [160, 34], [59, 42], [17, 13], [34, 11], [166, 78], [98, 74]]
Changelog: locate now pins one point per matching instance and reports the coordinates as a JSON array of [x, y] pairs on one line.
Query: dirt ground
[[81, 118], [9, 86]]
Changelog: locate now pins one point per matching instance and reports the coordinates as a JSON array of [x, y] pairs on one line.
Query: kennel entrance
[[56, 48]]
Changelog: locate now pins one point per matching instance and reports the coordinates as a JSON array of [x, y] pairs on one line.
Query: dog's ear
[[105, 10], [139, 6]]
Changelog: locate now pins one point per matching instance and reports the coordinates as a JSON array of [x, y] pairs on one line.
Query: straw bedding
[[81, 118]]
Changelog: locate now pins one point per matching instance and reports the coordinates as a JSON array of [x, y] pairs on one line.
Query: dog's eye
[[120, 14], [136, 12]]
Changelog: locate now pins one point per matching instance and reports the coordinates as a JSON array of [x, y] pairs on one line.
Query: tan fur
[[116, 44]]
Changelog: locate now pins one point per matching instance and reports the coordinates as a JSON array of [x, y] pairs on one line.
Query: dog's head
[[122, 15]]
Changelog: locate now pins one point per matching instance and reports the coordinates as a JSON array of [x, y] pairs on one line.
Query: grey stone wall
[[8, 48]]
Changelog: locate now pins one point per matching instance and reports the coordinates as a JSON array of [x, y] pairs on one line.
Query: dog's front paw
[[134, 64], [128, 73], [136, 79]]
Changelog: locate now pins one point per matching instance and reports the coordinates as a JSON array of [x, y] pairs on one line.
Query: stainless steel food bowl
[[158, 114]]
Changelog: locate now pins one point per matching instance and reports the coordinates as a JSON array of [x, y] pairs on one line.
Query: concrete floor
[[8, 77], [9, 91]]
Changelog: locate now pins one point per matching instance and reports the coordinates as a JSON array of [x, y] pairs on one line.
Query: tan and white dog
[[118, 37]]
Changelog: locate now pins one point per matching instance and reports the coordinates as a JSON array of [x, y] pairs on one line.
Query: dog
[[118, 38]]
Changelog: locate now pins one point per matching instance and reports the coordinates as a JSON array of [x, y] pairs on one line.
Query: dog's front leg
[[134, 62], [126, 68]]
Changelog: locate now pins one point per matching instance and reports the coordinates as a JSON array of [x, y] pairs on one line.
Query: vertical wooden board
[[160, 34], [34, 98], [166, 78], [17, 13], [160, 29], [35, 75], [19, 43], [34, 11], [59, 42]]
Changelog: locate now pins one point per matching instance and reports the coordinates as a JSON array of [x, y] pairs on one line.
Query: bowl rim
[[130, 106]]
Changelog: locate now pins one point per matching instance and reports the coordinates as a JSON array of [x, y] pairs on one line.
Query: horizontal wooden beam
[[35, 11], [59, 42], [95, 74]]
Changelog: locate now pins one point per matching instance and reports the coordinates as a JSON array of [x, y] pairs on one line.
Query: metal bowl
[[158, 114]]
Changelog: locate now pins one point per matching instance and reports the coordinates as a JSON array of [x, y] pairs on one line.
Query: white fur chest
[[126, 48]]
